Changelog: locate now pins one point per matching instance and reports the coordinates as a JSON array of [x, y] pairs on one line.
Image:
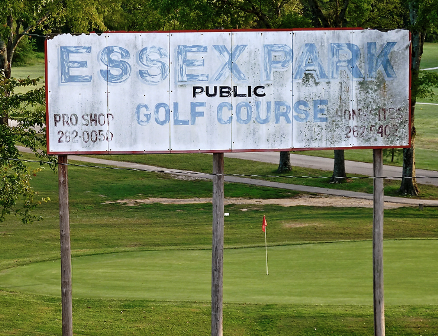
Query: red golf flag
[[265, 224]]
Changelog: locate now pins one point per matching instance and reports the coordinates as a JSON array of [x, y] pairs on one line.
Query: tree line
[[20, 19]]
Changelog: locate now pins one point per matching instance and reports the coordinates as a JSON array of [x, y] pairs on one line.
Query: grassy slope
[[127, 317], [102, 228]]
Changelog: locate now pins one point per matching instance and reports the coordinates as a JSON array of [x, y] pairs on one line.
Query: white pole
[[266, 248]]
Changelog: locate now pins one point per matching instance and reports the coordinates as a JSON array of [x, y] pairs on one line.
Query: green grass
[[427, 122], [149, 236], [430, 56], [140, 317], [335, 274], [267, 171], [35, 70]]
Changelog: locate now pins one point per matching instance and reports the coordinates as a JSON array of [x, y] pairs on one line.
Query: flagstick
[[266, 247]]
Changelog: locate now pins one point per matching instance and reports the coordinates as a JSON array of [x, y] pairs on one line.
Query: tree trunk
[[9, 49], [3, 55], [339, 174], [3, 65], [409, 184], [322, 20], [284, 165]]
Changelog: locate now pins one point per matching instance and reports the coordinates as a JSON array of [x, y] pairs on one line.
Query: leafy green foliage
[[22, 114], [50, 16], [18, 18], [423, 15], [231, 14], [382, 15], [134, 15], [426, 82], [25, 51], [393, 154], [23, 122]]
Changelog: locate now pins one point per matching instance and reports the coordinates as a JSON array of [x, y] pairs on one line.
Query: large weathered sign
[[221, 91]]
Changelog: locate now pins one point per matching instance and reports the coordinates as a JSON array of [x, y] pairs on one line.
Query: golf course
[[145, 268], [334, 273]]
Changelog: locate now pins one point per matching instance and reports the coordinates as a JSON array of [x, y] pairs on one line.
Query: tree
[[22, 116], [423, 18], [27, 109], [21, 17], [135, 15], [330, 14], [232, 14], [284, 164]]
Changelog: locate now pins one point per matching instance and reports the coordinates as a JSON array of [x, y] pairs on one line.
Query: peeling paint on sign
[[223, 91]]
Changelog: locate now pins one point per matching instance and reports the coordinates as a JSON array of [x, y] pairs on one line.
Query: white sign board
[[223, 91]]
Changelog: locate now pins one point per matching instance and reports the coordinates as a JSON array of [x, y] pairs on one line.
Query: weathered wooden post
[[64, 229], [379, 307], [218, 246]]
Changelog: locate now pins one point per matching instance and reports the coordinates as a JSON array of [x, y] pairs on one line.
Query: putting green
[[331, 273]]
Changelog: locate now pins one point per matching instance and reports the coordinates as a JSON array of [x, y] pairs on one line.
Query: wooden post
[[379, 307], [64, 229], [218, 246]]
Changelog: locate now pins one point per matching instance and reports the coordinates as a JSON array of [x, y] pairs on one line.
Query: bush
[[25, 52], [432, 37]]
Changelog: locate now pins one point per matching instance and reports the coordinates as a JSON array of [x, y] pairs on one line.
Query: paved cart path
[[352, 167], [274, 157], [236, 179]]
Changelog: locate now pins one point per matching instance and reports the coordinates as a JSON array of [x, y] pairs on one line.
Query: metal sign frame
[[227, 91]]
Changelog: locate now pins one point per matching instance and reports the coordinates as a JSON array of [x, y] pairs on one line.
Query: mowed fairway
[[146, 269], [324, 273]]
